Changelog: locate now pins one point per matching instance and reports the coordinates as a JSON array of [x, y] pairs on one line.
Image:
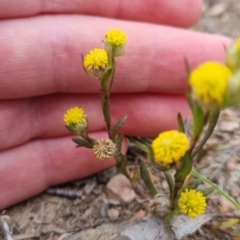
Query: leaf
[[212, 121], [82, 143], [209, 190], [145, 147], [105, 79], [117, 127], [147, 180], [180, 123], [198, 122], [193, 184], [182, 173], [118, 142], [170, 182]]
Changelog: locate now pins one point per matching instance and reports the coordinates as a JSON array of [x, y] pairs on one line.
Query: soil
[[86, 203]]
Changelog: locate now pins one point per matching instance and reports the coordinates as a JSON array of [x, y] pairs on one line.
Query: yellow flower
[[115, 42], [104, 148], [75, 115], [170, 147], [116, 37], [192, 203], [96, 62], [209, 83]]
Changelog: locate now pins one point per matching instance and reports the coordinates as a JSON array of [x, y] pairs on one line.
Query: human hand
[[41, 77]]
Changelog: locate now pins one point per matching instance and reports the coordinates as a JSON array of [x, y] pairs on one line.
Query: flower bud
[[233, 90], [76, 120], [209, 84], [233, 55], [96, 63], [115, 42]]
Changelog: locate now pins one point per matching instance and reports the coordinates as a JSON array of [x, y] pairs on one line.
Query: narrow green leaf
[[147, 180], [105, 79], [209, 190], [193, 184], [118, 142], [180, 123], [82, 143], [117, 127], [170, 182], [83, 64], [145, 147], [123, 165], [198, 122], [182, 173], [212, 121]]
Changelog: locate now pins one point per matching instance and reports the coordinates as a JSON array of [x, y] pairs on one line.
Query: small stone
[[231, 165], [91, 184], [98, 189], [226, 206], [104, 210], [113, 213], [139, 215], [217, 10], [229, 126], [104, 176], [155, 179], [229, 115], [64, 235], [235, 191], [235, 142], [121, 187], [114, 202], [164, 184]]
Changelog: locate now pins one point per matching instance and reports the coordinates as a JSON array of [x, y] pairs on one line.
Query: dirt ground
[[88, 203]]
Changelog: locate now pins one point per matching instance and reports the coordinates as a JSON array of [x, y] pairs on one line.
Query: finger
[[42, 163], [37, 57], [148, 114], [179, 13]]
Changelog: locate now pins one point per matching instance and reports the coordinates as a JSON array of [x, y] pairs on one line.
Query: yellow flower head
[[75, 115], [104, 148], [96, 62], [170, 147], [116, 37], [115, 42], [192, 203], [209, 83]]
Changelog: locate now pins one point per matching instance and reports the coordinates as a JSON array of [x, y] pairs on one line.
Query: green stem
[[111, 78], [106, 110]]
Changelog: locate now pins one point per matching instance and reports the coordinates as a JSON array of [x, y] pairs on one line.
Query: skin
[[41, 77]]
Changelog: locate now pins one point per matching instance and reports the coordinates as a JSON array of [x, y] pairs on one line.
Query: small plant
[[212, 87]]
